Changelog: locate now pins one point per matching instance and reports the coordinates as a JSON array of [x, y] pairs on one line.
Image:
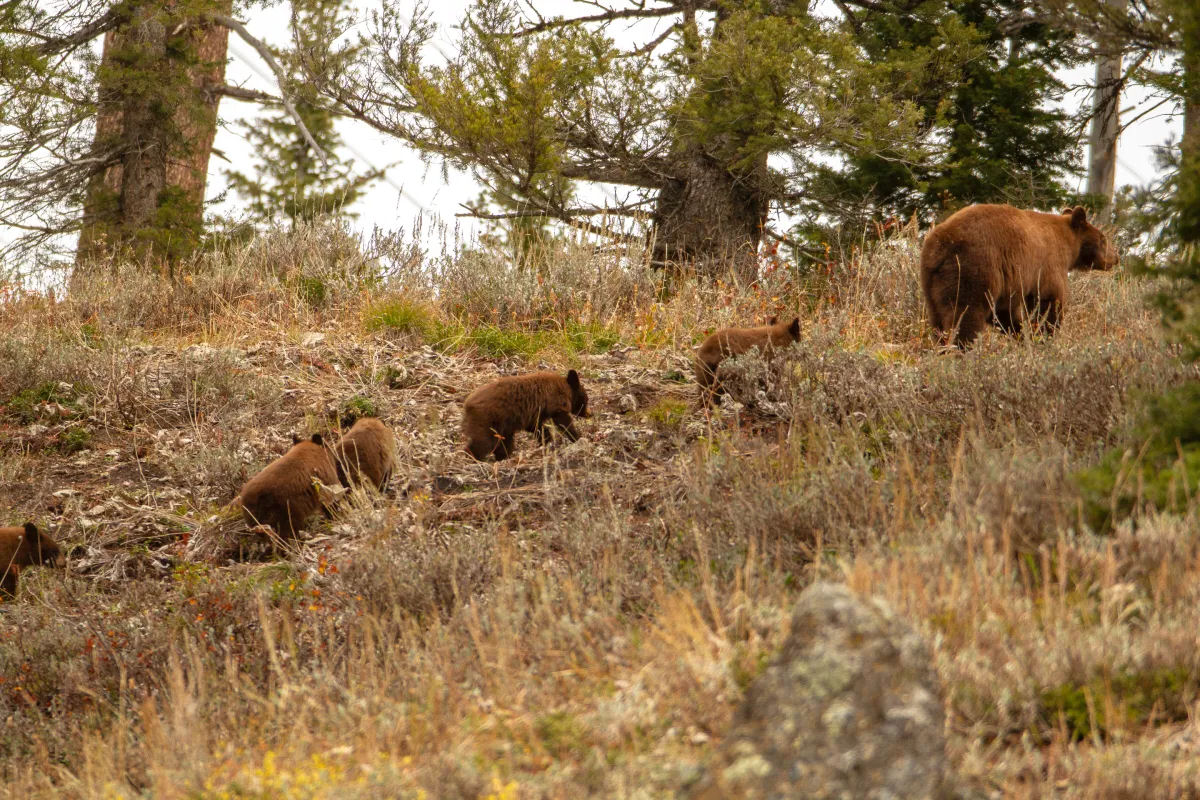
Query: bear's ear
[[1079, 218], [773, 321], [31, 531], [296, 438], [573, 379], [316, 439], [794, 328], [1066, 212]]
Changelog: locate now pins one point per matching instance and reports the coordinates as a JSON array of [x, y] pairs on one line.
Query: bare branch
[[280, 78], [102, 24], [607, 16], [248, 95], [652, 45], [561, 214]]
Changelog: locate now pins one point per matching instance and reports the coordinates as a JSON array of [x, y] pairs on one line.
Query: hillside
[[582, 619]]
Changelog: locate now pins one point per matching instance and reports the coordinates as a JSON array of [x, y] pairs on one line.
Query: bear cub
[[366, 452], [20, 547], [283, 494], [1000, 265], [729, 342], [492, 414]]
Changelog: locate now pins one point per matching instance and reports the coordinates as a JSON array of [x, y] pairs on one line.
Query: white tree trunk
[[1106, 124]]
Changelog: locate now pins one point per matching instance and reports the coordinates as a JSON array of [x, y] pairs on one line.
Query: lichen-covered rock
[[850, 708]]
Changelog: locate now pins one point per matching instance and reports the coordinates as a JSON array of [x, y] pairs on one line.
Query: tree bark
[[1106, 123], [157, 115], [709, 218]]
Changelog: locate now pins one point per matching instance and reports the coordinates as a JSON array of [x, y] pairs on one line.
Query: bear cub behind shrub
[[492, 414], [729, 342]]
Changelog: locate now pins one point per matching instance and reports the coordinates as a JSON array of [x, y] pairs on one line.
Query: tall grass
[[580, 620]]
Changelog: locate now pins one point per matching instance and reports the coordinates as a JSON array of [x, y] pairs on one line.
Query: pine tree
[[688, 117], [1003, 140], [114, 149], [290, 181]]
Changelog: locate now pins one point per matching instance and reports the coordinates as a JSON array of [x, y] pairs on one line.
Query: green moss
[[356, 408], [400, 316], [667, 413], [561, 734], [23, 405], [74, 439], [591, 338], [1157, 468], [312, 291], [1127, 700]]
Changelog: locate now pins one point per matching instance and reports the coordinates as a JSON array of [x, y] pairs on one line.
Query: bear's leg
[[8, 584], [564, 423], [1050, 308], [481, 448], [970, 325], [505, 445], [1010, 318], [706, 379]]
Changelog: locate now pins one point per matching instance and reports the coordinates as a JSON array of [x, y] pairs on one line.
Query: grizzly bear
[[284, 494], [367, 451], [1001, 265], [728, 342], [492, 414], [23, 547]]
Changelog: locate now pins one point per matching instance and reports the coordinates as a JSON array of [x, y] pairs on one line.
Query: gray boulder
[[850, 708]]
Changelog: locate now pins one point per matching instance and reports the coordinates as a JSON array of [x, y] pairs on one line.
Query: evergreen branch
[[265, 52]]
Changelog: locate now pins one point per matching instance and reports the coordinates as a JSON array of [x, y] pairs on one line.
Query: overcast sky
[[412, 189]]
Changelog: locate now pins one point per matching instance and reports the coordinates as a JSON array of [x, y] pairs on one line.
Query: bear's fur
[[492, 414], [21, 547], [729, 342], [283, 494], [998, 264], [367, 450]]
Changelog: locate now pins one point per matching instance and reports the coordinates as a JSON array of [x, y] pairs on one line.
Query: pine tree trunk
[[710, 219], [157, 112], [1102, 143]]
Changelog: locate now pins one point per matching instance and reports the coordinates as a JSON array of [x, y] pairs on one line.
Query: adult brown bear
[[284, 495], [729, 342], [1000, 265], [21, 547], [492, 414], [367, 451]]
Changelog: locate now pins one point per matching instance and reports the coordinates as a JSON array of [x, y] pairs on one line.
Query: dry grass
[[582, 619]]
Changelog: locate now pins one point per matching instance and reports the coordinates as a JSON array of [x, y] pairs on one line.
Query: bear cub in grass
[[492, 414], [283, 495], [729, 342], [366, 452], [999, 265], [22, 547]]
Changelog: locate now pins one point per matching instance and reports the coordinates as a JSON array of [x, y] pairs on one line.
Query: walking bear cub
[[366, 452], [21, 547], [729, 342], [492, 414], [998, 264], [283, 495]]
